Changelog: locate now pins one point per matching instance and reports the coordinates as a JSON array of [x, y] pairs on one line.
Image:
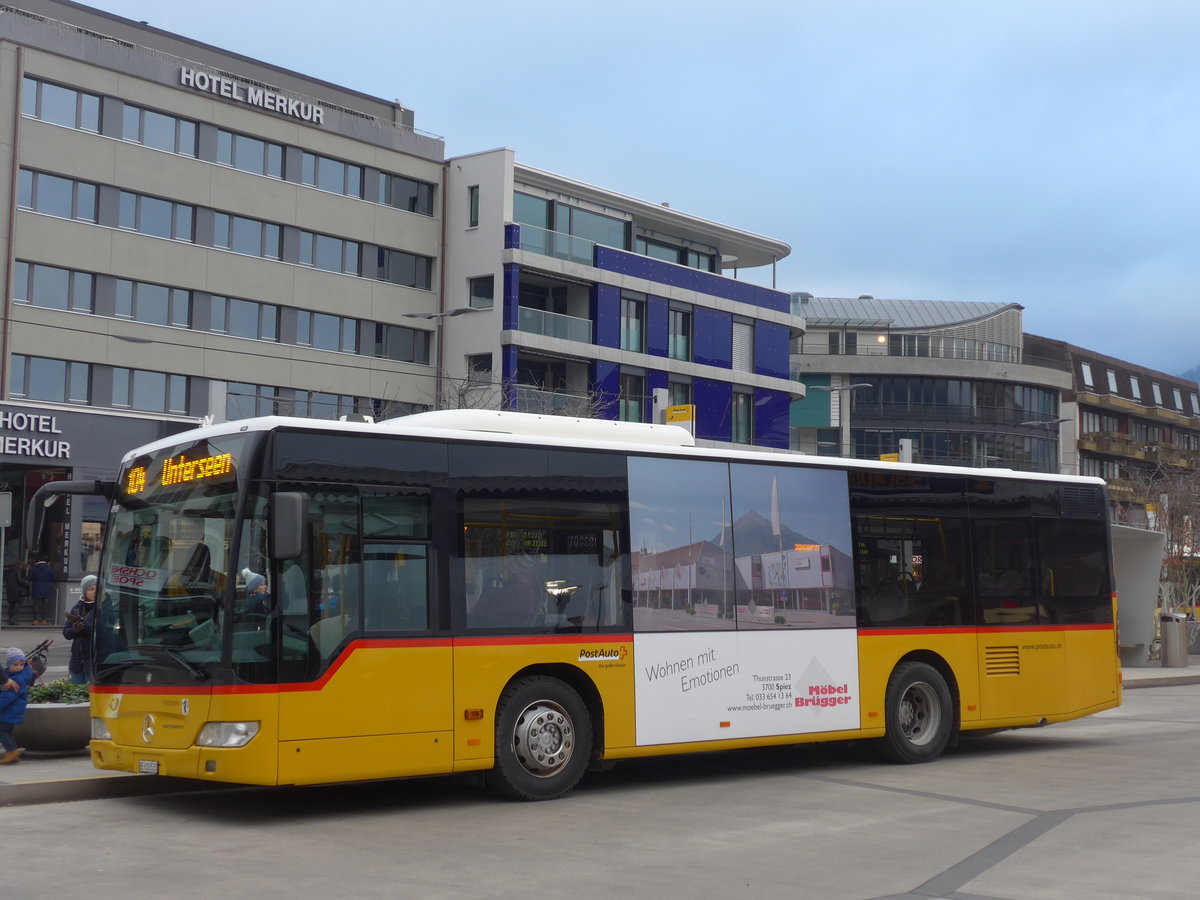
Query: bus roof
[[565, 431]]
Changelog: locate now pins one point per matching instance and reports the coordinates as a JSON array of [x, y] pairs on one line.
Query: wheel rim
[[543, 738], [920, 714]]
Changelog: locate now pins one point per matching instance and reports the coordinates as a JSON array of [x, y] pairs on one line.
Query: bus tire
[[919, 714], [543, 740]]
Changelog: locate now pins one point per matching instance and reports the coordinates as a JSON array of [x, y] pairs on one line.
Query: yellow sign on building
[[685, 412]]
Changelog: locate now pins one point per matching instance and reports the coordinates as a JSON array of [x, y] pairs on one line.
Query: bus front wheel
[[919, 714], [543, 740]]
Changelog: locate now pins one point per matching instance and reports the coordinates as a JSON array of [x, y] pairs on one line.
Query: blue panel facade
[[606, 315], [508, 373], [512, 237], [606, 382], [771, 349], [657, 325], [714, 409], [512, 291], [816, 409], [613, 260], [712, 337], [771, 410]]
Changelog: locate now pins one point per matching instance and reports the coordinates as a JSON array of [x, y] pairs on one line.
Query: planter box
[[55, 727]]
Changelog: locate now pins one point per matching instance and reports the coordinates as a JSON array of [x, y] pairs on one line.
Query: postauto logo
[[603, 654]]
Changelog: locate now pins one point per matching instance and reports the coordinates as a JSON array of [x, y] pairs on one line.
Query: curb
[[1160, 681]]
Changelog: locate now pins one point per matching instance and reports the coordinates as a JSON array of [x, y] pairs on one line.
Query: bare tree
[[1171, 494]]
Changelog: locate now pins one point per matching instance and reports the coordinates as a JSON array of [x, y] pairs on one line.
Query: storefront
[[41, 444]]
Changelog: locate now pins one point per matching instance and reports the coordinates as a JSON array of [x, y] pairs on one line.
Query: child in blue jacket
[[14, 696]]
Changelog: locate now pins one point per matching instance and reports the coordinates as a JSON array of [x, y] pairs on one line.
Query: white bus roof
[[564, 431]]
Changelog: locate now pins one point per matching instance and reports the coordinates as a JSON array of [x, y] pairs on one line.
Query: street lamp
[[844, 419], [439, 318], [1044, 423]]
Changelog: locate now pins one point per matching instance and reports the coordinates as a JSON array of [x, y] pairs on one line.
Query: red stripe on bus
[[986, 629]]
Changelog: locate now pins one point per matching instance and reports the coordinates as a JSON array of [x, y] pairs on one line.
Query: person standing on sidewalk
[[78, 631], [41, 578], [14, 696], [16, 588]]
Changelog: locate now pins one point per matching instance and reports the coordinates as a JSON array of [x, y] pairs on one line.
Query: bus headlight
[[100, 730], [227, 734]]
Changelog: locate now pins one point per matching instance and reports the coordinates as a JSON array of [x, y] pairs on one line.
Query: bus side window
[[1004, 571], [396, 587], [1074, 571]]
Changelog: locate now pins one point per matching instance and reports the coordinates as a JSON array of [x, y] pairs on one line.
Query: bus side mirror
[[289, 510]]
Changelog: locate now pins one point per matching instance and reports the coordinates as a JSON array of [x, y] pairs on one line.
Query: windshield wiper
[[191, 668]]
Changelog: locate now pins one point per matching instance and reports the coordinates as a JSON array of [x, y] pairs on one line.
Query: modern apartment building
[[590, 300], [952, 377]]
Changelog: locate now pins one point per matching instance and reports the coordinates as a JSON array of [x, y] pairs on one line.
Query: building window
[[52, 288], [479, 368], [329, 253], [632, 401], [835, 343], [153, 304], [244, 318], [401, 344], [1178, 398], [331, 175], [743, 417], [55, 196], [405, 193], [60, 105], [1112, 381], [1195, 405], [249, 154], [249, 236], [322, 331], [743, 345], [403, 268], [158, 130], [482, 291], [1135, 387], [473, 206], [679, 338], [149, 391], [321, 405], [1157, 391], [679, 393], [53, 380], [155, 217], [1086, 369], [633, 325]]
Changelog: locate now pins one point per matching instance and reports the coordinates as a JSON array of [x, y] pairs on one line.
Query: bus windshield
[[166, 563]]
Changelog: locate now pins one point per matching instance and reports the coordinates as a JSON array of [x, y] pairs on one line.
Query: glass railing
[[555, 325], [535, 400], [554, 243]]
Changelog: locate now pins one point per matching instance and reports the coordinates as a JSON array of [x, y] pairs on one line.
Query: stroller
[[36, 659]]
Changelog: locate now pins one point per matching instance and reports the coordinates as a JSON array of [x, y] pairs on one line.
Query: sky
[[1042, 153]]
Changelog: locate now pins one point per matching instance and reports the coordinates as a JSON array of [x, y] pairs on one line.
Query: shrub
[[60, 691]]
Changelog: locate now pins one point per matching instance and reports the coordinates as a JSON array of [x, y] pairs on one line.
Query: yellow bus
[[290, 601]]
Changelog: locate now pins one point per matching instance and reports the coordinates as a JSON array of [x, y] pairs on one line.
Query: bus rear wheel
[[919, 714], [543, 740]]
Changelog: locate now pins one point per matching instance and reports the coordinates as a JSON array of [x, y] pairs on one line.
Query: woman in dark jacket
[[78, 631], [41, 577]]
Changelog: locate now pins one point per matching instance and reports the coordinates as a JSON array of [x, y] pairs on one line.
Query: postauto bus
[[290, 601]]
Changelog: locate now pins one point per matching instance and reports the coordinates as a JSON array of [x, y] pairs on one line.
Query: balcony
[[532, 399], [555, 325], [867, 412], [557, 244]]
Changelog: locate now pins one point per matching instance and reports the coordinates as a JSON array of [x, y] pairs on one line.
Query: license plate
[[147, 766]]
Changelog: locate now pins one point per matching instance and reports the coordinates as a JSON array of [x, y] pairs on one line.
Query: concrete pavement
[[58, 777]]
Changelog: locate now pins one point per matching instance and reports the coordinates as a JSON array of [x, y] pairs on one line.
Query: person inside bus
[[257, 601], [516, 603]]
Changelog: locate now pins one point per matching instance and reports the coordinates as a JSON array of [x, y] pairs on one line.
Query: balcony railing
[[993, 353], [554, 243], [555, 325], [532, 399]]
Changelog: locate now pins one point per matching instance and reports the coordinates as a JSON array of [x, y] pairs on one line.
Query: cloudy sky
[[1037, 152]]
